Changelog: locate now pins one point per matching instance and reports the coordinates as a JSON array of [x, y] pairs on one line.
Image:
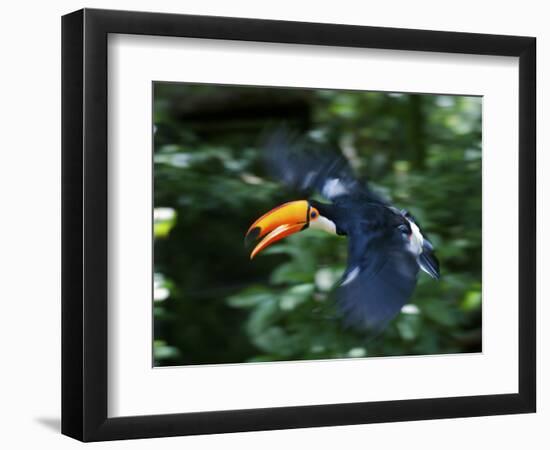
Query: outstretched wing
[[380, 279], [306, 167]]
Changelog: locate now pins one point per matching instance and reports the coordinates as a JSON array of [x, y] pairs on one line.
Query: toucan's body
[[386, 248]]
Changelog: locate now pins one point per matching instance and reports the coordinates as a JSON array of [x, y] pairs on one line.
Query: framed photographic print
[[273, 224]]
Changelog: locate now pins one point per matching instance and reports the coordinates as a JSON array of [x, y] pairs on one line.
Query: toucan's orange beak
[[278, 223]]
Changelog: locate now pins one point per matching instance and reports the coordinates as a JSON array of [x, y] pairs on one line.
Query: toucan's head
[[287, 219]]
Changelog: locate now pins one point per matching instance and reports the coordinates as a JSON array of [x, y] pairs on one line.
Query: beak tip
[[252, 236]]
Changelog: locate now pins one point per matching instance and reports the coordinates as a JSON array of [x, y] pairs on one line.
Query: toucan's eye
[[313, 214]]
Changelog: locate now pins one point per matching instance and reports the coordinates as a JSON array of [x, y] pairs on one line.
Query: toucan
[[386, 246]]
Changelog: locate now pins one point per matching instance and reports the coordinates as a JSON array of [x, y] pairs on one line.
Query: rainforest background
[[212, 305]]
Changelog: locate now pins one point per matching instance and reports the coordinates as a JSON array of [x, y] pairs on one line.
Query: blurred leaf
[[292, 297], [250, 297], [161, 351], [439, 311], [472, 301], [164, 221]]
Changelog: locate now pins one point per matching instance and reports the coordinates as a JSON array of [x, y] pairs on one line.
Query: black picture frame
[[84, 224]]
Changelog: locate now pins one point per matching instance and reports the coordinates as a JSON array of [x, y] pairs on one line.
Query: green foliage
[[164, 221], [213, 305]]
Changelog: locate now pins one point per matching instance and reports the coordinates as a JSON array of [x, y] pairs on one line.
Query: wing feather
[[380, 279], [307, 167]]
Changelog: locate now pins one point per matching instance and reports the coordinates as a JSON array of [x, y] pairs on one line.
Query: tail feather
[[429, 263]]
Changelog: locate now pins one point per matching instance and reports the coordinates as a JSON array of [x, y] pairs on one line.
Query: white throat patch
[[324, 224]]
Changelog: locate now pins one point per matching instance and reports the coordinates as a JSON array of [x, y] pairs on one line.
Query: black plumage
[[386, 248], [308, 167]]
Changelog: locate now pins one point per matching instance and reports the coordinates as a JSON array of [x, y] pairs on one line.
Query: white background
[[30, 177], [136, 389]]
